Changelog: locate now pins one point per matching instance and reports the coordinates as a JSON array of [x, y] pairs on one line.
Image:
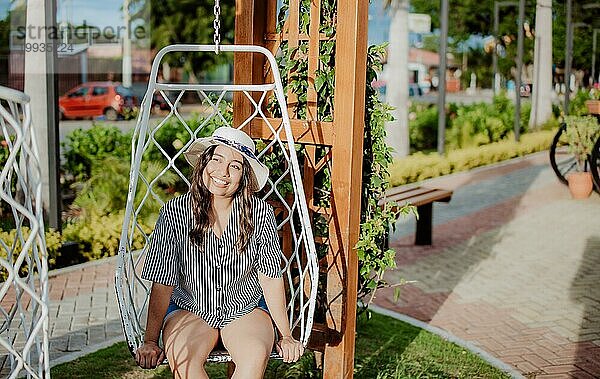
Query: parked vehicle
[[525, 90], [93, 99], [414, 90], [159, 104]]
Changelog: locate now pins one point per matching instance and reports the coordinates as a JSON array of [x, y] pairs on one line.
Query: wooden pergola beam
[[349, 118], [255, 24]]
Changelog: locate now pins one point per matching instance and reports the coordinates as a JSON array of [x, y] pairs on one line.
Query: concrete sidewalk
[[514, 269]]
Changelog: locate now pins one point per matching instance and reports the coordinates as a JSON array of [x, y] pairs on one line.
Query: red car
[[94, 99]]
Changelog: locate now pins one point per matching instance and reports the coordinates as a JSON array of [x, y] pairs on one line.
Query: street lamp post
[[442, 78], [569, 53], [594, 42], [517, 126], [126, 46], [497, 6]]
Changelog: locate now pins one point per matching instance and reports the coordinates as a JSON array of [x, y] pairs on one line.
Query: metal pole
[[495, 54], [442, 77], [55, 204], [568, 55], [594, 43], [517, 126], [126, 46]]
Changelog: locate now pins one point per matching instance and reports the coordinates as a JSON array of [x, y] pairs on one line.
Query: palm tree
[[397, 78], [541, 102]]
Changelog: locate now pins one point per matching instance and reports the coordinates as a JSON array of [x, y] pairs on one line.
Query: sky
[[98, 13], [107, 13], [379, 23]]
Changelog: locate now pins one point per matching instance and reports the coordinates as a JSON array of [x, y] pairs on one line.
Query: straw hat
[[235, 139]]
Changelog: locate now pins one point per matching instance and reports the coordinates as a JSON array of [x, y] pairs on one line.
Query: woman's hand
[[290, 349], [149, 355]]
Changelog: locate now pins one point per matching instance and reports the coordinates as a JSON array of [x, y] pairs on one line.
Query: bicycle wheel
[[562, 162], [595, 165]]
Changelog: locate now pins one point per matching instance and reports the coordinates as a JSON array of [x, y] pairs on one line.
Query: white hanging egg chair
[[284, 189]]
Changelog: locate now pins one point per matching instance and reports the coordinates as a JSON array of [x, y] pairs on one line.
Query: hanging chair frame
[[24, 341], [123, 286]]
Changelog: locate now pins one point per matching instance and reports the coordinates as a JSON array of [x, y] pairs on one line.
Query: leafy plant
[[594, 93], [98, 236], [422, 126], [98, 210], [577, 105], [374, 259], [84, 147], [9, 241], [481, 123], [581, 135]]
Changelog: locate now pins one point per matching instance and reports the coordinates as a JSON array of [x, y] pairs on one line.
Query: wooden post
[[250, 22], [345, 137], [349, 118]]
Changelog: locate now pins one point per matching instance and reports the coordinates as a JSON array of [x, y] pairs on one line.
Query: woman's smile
[[219, 182]]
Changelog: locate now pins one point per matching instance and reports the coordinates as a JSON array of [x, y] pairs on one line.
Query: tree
[[463, 23], [188, 21]]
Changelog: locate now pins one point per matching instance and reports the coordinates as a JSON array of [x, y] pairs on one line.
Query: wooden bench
[[422, 198]]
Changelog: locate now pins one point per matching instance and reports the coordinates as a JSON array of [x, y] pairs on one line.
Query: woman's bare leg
[[188, 340], [249, 341]]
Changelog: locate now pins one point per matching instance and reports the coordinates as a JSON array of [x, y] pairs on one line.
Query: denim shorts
[[262, 304]]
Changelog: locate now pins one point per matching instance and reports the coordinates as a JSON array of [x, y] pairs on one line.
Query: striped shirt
[[218, 282]]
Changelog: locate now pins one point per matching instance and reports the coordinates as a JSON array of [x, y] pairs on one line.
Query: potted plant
[[593, 104], [581, 134]]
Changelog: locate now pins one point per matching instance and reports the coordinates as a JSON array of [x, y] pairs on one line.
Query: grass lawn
[[385, 348]]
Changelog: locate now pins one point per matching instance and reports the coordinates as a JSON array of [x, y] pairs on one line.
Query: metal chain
[[217, 25]]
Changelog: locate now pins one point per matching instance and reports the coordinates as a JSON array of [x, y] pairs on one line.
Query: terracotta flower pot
[[593, 106], [580, 184]]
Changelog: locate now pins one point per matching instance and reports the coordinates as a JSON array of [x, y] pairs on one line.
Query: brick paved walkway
[[84, 315], [514, 269]]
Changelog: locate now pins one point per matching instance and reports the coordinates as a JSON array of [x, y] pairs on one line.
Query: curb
[[80, 266], [452, 338], [85, 351]]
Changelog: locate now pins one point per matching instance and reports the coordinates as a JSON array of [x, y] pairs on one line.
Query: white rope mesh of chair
[[284, 187], [23, 256]]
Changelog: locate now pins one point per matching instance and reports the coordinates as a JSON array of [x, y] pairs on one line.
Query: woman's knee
[[187, 336], [250, 352], [252, 358]]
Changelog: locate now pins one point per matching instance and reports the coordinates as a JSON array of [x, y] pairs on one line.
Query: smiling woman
[[218, 281]]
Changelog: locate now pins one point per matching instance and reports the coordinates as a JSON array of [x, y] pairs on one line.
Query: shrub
[[467, 125], [84, 147], [9, 240], [481, 123], [99, 206], [423, 126], [98, 236], [421, 166]]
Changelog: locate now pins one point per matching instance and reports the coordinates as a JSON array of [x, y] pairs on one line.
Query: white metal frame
[[132, 292], [24, 293]]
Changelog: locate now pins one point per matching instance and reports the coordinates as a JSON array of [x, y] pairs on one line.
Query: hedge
[[420, 166]]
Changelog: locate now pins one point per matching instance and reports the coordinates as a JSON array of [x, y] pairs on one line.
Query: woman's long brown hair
[[202, 202]]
